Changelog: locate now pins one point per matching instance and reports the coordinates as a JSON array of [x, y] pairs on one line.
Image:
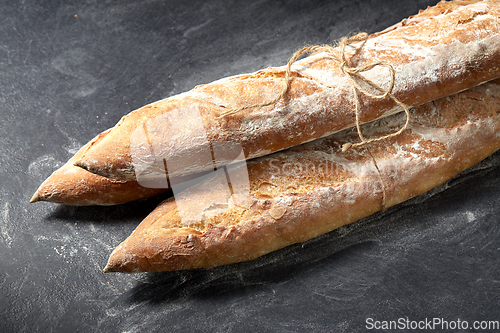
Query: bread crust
[[72, 185], [442, 50], [444, 138]]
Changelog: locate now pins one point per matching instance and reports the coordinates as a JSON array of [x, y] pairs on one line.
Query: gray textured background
[[71, 69]]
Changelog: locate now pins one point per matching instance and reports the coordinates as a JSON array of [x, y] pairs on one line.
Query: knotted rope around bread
[[338, 54]]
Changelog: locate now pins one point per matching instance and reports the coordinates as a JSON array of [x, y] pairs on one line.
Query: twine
[[338, 54], [353, 73]]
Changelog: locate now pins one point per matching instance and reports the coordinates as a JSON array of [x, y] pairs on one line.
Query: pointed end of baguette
[[80, 164], [115, 262], [107, 269], [35, 197]]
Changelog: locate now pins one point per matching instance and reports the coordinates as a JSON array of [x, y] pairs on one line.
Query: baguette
[[442, 50], [314, 188]]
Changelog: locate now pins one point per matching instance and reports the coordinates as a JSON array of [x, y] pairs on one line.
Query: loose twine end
[[338, 54], [346, 146]]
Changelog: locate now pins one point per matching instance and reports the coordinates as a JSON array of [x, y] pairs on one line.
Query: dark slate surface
[[71, 69]]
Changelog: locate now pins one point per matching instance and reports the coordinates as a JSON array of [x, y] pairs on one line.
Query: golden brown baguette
[[461, 51], [314, 188], [440, 51]]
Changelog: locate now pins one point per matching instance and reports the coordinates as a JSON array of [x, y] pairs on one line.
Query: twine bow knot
[[338, 54]]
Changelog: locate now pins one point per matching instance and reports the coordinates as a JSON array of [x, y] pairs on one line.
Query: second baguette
[[311, 189]]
